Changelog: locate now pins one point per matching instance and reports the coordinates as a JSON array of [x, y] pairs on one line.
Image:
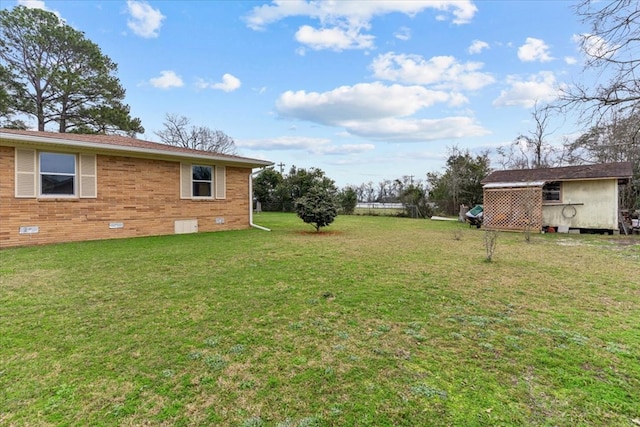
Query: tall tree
[[58, 76], [299, 181], [348, 200], [460, 183], [616, 141], [265, 186], [612, 104], [611, 48], [413, 194], [278, 192], [7, 104], [532, 150], [108, 119], [179, 131], [366, 192]]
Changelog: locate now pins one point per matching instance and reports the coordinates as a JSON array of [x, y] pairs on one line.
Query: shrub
[[490, 240], [317, 207], [348, 199]]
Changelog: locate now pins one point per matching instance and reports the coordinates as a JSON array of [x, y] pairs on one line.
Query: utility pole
[[411, 179], [281, 166]]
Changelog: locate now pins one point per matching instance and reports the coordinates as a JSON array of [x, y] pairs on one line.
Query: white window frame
[[41, 173], [545, 191], [218, 181], [28, 179], [209, 181]]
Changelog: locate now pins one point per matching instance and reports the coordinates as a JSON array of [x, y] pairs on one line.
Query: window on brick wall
[[202, 180], [49, 174], [57, 174]]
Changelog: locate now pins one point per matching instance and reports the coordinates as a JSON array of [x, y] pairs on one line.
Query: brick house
[[66, 187], [584, 197]]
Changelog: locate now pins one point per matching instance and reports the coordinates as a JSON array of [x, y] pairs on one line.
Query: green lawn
[[374, 321]]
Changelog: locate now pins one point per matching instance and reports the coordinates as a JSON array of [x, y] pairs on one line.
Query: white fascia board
[[515, 184]]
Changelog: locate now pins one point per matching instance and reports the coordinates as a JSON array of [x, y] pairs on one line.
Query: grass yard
[[374, 321]]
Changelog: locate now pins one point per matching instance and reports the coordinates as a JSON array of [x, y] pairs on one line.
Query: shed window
[[57, 174], [551, 192], [202, 179]]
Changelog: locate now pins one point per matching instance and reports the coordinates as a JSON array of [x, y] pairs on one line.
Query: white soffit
[[515, 184]]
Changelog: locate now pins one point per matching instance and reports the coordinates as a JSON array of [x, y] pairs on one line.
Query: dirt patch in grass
[[320, 233], [625, 242]]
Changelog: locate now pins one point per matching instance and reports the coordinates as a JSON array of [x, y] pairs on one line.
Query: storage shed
[[584, 197]]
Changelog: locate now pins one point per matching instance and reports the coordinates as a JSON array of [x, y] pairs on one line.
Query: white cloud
[[347, 149], [167, 80], [404, 34], [145, 21], [229, 83], [345, 21], [380, 112], [541, 87], [570, 60], [32, 4], [417, 130], [364, 101], [283, 143], [594, 46], [307, 144], [444, 72], [38, 4], [337, 39], [330, 10], [534, 50], [477, 46]]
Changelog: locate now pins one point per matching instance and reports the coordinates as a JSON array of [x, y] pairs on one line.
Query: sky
[[363, 90]]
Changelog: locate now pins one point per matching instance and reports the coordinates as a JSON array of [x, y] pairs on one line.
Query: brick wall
[[143, 194]]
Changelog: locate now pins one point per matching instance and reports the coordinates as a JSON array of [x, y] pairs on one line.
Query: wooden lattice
[[513, 209]]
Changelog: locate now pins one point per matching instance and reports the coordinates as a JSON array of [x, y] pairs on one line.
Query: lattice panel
[[513, 208]]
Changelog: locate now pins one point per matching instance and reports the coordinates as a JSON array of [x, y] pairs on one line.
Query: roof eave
[[514, 184], [254, 163]]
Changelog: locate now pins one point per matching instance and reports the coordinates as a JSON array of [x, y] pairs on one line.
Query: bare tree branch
[[533, 150], [178, 131], [612, 48]]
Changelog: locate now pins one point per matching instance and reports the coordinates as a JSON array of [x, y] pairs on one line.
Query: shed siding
[[595, 203], [143, 195]]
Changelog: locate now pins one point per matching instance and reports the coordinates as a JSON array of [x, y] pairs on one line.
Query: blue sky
[[364, 90]]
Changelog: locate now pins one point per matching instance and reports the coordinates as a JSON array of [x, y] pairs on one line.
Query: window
[[47, 174], [551, 192], [57, 174], [201, 181]]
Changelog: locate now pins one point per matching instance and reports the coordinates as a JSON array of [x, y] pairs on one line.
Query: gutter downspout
[[251, 206]]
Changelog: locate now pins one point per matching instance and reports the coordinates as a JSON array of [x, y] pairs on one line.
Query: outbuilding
[[584, 197], [58, 187]]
